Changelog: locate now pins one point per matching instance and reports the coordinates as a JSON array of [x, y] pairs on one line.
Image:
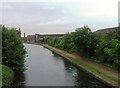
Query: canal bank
[[103, 73]]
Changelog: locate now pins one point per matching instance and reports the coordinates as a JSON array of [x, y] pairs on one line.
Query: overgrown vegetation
[[13, 54], [7, 76], [103, 48], [13, 51]]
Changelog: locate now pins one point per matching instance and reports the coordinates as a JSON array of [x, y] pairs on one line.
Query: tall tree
[[13, 50]]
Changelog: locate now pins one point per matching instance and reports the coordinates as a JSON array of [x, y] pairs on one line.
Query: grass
[[91, 69], [95, 72]]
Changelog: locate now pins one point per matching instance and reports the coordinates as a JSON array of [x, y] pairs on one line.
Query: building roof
[[50, 34], [107, 30]]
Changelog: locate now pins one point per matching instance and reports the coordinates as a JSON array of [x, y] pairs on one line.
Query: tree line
[[101, 47]]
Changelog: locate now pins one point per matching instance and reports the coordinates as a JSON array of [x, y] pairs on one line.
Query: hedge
[[7, 76]]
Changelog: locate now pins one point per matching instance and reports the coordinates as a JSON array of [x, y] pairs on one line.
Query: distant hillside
[[106, 30]]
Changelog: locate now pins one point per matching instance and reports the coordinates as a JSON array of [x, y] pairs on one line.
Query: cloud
[[7, 6], [60, 14], [94, 8], [54, 22], [50, 7]]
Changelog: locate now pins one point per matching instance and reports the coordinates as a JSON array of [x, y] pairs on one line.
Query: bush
[[108, 50], [13, 51], [85, 41], [7, 76]]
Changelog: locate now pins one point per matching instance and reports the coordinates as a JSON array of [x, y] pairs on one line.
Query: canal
[[47, 69]]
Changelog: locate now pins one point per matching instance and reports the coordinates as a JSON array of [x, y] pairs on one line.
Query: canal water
[[47, 69]]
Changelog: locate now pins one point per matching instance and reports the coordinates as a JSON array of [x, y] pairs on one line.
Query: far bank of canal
[[49, 69]]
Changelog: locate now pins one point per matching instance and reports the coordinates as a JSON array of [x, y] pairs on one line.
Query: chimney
[[24, 35], [19, 32]]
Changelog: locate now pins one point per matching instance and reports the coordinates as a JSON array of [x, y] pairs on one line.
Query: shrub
[[7, 76]]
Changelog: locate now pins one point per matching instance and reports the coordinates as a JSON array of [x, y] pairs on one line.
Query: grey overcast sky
[[58, 16]]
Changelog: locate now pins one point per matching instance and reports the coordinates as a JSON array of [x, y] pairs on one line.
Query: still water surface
[[48, 69]]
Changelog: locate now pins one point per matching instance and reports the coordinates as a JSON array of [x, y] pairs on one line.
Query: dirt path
[[101, 68], [104, 69]]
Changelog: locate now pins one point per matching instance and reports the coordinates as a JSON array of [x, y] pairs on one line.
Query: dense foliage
[[103, 48], [13, 51], [7, 76], [108, 49]]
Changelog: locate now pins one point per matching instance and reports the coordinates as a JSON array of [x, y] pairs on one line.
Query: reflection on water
[[49, 69], [82, 78]]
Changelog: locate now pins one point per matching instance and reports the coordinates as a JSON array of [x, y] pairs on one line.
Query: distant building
[[18, 31], [106, 30], [24, 35], [24, 38], [39, 37], [31, 38]]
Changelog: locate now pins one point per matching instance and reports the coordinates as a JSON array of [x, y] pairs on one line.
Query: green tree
[[85, 41], [108, 49], [66, 41], [13, 50]]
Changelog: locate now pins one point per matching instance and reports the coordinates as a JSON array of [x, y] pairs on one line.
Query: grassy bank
[[7, 76], [98, 73]]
